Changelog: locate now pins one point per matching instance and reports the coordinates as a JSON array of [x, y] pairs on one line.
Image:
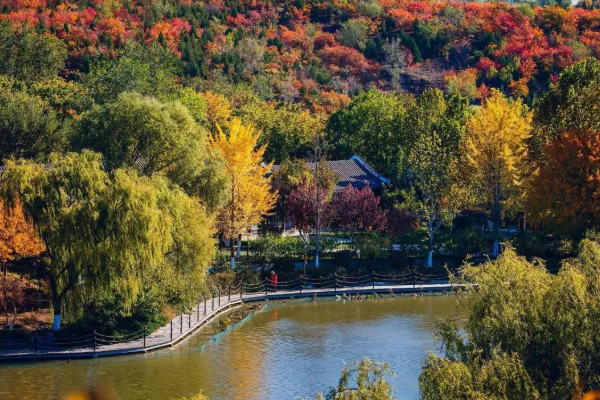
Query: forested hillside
[[320, 53]]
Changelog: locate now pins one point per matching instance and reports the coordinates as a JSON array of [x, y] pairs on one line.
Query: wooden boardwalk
[[182, 326]]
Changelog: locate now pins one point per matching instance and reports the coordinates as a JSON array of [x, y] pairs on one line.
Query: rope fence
[[47, 345]]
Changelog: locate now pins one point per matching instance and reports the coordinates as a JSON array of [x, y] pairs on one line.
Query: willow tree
[[108, 234], [495, 156], [250, 196], [529, 334], [156, 138]]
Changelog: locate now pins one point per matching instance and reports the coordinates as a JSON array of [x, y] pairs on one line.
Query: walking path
[[97, 345]]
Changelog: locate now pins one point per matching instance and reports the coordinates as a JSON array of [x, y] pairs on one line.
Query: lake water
[[285, 352]]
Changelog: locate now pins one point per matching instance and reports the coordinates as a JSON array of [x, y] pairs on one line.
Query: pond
[[284, 352]]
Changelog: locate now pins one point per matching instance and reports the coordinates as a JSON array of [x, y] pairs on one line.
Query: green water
[[285, 352]]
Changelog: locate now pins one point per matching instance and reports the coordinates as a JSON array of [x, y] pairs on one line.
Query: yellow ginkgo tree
[[251, 196], [495, 156]]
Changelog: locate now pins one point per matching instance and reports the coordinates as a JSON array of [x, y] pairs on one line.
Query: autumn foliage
[[520, 49], [250, 197], [358, 210], [566, 190], [18, 237]]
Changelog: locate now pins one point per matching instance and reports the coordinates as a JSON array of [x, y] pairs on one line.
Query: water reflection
[[284, 352]]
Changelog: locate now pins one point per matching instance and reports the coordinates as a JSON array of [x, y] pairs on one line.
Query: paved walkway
[[182, 326]]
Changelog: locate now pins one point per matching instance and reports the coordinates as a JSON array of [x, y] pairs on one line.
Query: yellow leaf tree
[[18, 238], [251, 196], [495, 156]]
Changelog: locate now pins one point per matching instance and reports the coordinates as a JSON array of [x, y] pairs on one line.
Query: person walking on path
[[273, 281]]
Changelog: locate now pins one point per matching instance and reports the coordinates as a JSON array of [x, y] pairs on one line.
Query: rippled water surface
[[285, 352]]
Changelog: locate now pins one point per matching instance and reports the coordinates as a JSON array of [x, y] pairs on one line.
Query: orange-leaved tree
[[251, 196], [565, 193], [18, 238]]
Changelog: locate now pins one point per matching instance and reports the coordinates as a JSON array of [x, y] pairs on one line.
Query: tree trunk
[[57, 306], [231, 242], [430, 254], [282, 217], [496, 248]]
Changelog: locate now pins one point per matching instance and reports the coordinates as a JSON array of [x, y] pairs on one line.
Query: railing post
[[204, 305], [301, 283], [334, 282], [414, 278], [144, 337], [198, 312], [36, 342], [181, 324], [229, 294], [219, 294], [189, 320], [373, 273], [94, 342], [213, 301], [266, 289], [241, 291], [171, 330]]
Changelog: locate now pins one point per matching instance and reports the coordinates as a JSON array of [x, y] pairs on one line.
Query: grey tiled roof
[[354, 171]]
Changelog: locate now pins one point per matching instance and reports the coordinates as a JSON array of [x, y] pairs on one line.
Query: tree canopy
[[529, 334], [108, 232]]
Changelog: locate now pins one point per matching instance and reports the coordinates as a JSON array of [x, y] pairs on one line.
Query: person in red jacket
[[273, 281]]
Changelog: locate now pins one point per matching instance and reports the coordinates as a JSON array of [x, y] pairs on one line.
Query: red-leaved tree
[[357, 210], [306, 212]]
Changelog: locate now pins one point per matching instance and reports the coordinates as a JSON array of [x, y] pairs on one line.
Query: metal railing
[[47, 345]]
